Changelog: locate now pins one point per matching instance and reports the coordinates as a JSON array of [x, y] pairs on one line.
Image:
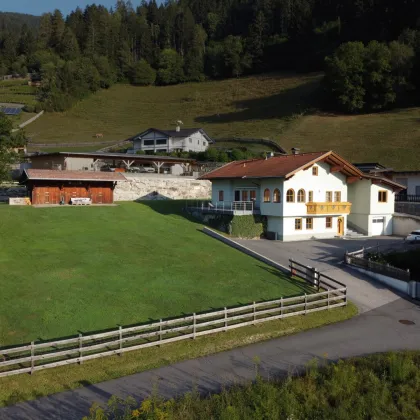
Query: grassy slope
[[268, 106], [83, 269]]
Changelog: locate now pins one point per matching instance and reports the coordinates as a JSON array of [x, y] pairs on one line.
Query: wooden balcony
[[328, 208]]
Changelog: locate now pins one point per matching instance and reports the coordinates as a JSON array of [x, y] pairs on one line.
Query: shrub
[[142, 74], [247, 226]]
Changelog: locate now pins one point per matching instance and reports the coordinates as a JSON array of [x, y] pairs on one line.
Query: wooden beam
[[352, 179], [337, 168]]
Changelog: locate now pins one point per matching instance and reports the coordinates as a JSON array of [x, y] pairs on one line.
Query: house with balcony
[[305, 196], [178, 140]]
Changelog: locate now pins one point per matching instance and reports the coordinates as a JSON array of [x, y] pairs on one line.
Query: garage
[[47, 186], [378, 226]]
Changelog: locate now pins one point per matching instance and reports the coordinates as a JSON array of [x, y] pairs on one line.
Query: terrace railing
[[407, 198], [45, 355], [232, 207]]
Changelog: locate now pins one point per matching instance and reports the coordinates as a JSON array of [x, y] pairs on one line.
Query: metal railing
[[234, 207], [408, 198]]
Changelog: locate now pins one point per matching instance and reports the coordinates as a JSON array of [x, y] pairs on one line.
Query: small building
[[410, 179], [178, 140], [54, 187], [304, 196]]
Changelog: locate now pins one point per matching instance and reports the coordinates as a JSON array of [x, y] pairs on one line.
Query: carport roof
[[54, 175], [282, 166]]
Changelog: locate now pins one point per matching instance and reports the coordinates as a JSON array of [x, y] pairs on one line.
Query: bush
[[142, 74], [247, 227], [171, 68]]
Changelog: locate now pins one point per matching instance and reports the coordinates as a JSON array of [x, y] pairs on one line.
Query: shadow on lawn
[[286, 104]]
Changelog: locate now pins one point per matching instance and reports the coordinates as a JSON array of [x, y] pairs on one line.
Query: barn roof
[[48, 174]]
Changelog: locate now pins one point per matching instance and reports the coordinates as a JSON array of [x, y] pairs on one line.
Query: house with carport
[[305, 195]]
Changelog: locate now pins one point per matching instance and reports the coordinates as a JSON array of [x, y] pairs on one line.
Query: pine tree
[[57, 30], [69, 48]]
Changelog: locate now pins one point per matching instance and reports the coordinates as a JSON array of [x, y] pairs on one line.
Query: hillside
[[13, 21], [278, 107]]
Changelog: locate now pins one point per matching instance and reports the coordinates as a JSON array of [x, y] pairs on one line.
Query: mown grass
[[281, 107], [384, 386], [79, 269], [17, 92], [18, 388]]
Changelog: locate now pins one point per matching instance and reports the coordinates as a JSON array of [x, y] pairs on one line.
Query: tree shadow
[[287, 104]]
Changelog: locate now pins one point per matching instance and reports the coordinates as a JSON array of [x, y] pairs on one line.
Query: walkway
[[374, 331]]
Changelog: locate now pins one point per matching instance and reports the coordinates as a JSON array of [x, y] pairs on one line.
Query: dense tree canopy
[[196, 39]]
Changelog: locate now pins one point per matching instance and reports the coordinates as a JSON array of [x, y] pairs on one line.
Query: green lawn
[[280, 107], [71, 269]]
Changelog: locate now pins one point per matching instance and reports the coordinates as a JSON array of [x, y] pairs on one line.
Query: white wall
[[320, 184], [410, 180], [77, 164], [404, 224], [195, 143]]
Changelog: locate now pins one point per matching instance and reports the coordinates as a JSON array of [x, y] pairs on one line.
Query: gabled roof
[[282, 166], [49, 174], [183, 132], [377, 179]]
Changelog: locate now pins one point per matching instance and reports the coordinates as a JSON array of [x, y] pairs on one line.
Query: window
[[190, 140], [204, 143], [244, 195], [328, 196], [310, 196], [266, 195], [253, 195], [337, 196], [161, 141], [328, 222], [382, 196], [276, 196], [149, 142], [309, 223], [301, 196], [315, 170], [290, 197], [298, 224], [221, 196]]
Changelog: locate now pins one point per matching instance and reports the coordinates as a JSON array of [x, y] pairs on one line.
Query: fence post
[[80, 349], [226, 321], [255, 314], [32, 356], [121, 337], [194, 326], [281, 307], [160, 332], [328, 298], [306, 301]]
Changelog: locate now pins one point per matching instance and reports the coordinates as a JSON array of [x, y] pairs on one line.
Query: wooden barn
[[54, 187]]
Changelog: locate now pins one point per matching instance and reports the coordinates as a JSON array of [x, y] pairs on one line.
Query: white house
[[304, 196], [179, 140]]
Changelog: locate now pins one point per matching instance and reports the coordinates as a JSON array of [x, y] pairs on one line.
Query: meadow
[[281, 107], [75, 269]]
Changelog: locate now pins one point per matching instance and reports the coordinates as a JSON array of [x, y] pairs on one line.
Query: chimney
[[295, 150]]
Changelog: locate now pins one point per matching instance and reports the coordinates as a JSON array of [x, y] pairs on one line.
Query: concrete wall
[[78, 164], [412, 181], [403, 224], [158, 188]]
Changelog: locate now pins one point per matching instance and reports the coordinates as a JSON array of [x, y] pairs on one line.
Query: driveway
[[327, 256]]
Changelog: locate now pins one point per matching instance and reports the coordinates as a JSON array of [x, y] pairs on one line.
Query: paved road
[[374, 331], [327, 256]]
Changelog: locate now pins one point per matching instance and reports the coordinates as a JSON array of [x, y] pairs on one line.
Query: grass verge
[[26, 387], [381, 386]]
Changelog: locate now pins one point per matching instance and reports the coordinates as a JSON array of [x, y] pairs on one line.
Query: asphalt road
[[327, 256], [378, 330]]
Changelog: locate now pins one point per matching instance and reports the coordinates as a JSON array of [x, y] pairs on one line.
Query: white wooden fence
[[45, 355]]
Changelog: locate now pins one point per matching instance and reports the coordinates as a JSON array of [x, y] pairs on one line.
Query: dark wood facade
[[54, 191]]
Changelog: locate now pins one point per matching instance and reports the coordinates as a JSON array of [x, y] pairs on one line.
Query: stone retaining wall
[[161, 188]]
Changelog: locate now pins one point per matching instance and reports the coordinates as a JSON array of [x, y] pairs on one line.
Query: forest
[[370, 50]]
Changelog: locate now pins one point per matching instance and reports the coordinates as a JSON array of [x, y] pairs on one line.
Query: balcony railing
[[328, 208], [407, 198], [227, 207]]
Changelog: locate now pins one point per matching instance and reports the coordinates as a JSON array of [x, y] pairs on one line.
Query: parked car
[[413, 236], [148, 169], [134, 169]]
